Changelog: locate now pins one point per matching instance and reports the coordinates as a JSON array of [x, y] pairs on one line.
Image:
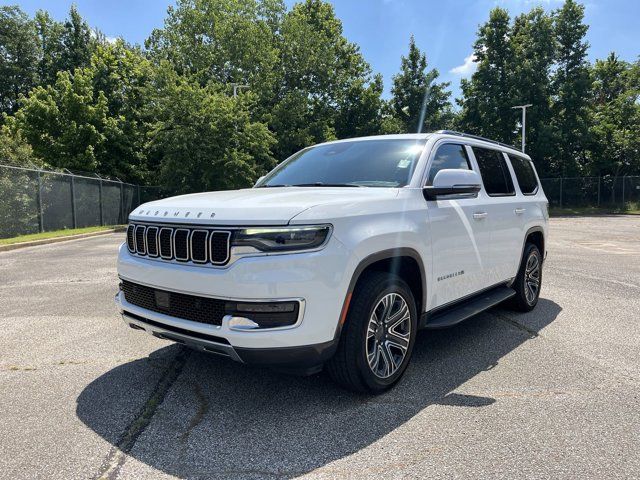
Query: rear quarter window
[[525, 174]]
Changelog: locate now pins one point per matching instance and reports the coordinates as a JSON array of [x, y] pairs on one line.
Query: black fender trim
[[539, 229], [370, 260]]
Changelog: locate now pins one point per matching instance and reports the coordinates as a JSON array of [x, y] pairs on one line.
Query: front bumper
[[319, 279]]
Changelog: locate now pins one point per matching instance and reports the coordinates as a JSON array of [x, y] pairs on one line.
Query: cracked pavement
[[553, 393]]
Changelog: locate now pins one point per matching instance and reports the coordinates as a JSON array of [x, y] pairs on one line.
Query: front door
[[460, 235]]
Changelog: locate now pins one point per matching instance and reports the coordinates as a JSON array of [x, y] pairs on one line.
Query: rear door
[[502, 205], [459, 234], [529, 209]]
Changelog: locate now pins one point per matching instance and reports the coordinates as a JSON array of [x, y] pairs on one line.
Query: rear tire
[[528, 281], [378, 335]]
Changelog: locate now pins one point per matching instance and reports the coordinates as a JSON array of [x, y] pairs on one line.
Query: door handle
[[520, 211], [480, 215]]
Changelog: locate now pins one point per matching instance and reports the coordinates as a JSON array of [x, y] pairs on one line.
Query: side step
[[467, 308]]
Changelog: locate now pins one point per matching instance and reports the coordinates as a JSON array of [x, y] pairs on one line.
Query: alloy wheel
[[532, 278], [388, 335]]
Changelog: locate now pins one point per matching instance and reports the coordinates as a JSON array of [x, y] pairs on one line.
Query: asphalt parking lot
[[554, 393]]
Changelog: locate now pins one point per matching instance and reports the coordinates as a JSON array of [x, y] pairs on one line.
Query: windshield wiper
[[271, 186], [322, 184]]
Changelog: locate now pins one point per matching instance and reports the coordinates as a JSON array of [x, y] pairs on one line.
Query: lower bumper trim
[[304, 359]]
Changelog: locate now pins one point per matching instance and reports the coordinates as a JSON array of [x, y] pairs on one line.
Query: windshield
[[358, 163]]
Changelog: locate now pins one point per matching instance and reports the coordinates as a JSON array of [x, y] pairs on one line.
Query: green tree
[[222, 41], [571, 86], [615, 118], [50, 34], [203, 139], [360, 109], [419, 103], [19, 54], [322, 75], [486, 98], [65, 123], [77, 42], [533, 45], [122, 75]]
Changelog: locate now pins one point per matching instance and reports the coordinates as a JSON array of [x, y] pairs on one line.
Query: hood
[[253, 206]]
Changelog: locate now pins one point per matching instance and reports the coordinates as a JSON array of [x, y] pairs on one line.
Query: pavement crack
[[531, 333], [203, 407], [115, 459]]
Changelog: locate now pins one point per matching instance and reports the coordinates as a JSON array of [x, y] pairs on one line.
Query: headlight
[[281, 239]]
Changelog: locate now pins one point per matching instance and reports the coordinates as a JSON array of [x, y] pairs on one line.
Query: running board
[[468, 308]]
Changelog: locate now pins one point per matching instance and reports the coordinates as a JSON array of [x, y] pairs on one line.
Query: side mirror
[[453, 182], [259, 180]]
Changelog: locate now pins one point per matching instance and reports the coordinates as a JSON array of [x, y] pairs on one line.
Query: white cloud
[[111, 40], [467, 68]]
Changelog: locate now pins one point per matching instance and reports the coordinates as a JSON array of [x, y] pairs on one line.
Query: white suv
[[340, 254]]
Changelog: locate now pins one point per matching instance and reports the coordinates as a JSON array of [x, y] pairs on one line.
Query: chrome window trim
[[170, 257], [228, 233], [206, 245], [173, 241], [146, 241]]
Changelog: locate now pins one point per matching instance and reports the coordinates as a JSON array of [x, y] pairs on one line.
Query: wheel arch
[[404, 261], [535, 235]]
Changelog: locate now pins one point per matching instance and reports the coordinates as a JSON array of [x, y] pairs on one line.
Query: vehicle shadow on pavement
[[225, 420]]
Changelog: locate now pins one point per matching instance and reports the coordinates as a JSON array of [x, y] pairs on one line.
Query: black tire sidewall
[[529, 250]]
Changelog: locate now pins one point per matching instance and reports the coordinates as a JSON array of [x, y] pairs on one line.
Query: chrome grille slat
[[197, 245], [151, 237], [199, 253], [181, 244], [165, 241], [131, 239], [219, 252], [141, 245]]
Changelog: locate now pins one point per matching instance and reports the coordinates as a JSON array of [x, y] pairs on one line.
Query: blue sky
[[444, 29]]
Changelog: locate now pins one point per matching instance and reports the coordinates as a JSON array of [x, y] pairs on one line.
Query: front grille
[[179, 305], [199, 245]]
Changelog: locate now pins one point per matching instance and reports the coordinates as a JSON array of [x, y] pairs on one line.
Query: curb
[[46, 241]]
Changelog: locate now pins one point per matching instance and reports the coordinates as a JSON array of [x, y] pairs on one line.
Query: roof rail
[[476, 137]]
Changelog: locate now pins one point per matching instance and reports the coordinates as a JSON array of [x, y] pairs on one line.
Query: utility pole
[[236, 87], [524, 121]]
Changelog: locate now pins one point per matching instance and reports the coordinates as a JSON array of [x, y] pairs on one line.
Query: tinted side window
[[494, 171], [524, 174], [448, 156]]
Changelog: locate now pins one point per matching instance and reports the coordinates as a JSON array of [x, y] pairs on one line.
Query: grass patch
[[559, 212], [54, 234]]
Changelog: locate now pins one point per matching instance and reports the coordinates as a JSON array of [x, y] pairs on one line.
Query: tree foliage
[[487, 97], [19, 53], [202, 138], [419, 103]]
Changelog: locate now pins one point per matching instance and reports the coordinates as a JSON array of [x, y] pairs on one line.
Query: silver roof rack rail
[[475, 137]]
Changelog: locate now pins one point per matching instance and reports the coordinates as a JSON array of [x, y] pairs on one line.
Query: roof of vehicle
[[425, 136]]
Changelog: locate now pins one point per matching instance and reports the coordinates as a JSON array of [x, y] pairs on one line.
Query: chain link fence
[[33, 201], [604, 192]]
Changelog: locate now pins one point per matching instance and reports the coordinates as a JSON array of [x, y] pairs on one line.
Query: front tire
[[528, 281], [378, 336]]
